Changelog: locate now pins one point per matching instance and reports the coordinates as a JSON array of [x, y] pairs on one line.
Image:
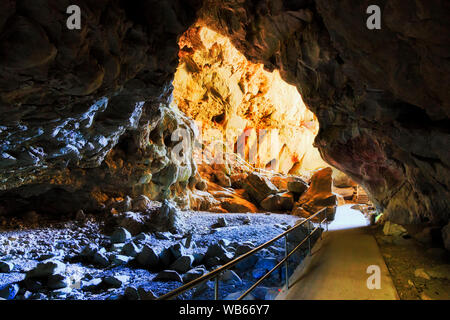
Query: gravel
[[85, 264]]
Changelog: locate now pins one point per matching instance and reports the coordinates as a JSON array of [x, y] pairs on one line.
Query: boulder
[[221, 223], [6, 267], [142, 236], [297, 185], [258, 186], [119, 260], [9, 291], [89, 250], [80, 216], [120, 235], [147, 257], [58, 281], [130, 249], [278, 202], [441, 271], [237, 180], [141, 203], [241, 249], [218, 251], [146, 294], [46, 269], [237, 204], [317, 196], [231, 277], [341, 180], [167, 218], [193, 274], [392, 229], [346, 193], [177, 250], [281, 182], [131, 293], [183, 264], [99, 259], [168, 275], [420, 273], [91, 285], [134, 222], [165, 257], [115, 281]]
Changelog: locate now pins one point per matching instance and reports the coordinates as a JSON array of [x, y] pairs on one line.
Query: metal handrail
[[216, 273]]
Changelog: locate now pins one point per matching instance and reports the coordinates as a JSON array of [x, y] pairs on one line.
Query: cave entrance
[[241, 108], [249, 121]]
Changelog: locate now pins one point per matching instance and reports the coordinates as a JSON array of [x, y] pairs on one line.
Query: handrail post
[[309, 237], [320, 226], [286, 263], [216, 287]]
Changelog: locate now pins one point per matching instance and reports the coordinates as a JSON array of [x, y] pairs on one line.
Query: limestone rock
[[237, 204], [167, 218], [141, 203], [259, 187], [317, 196], [9, 291], [58, 281], [168, 275], [193, 274], [147, 257], [133, 222], [115, 281], [6, 267], [121, 235], [183, 264], [420, 273], [46, 269], [297, 185], [278, 202], [221, 223], [392, 229], [146, 294], [130, 249], [231, 277]]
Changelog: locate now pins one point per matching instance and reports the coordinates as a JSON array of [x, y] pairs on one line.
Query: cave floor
[[419, 271], [63, 240]]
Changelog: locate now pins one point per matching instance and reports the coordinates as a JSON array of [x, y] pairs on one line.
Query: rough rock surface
[[318, 195], [91, 106], [378, 95], [85, 112]]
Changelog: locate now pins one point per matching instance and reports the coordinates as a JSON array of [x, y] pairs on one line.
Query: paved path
[[337, 269]]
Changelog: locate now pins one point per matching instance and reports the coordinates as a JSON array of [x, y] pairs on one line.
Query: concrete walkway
[[337, 268]]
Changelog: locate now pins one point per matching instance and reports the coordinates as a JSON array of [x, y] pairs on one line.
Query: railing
[[217, 272]]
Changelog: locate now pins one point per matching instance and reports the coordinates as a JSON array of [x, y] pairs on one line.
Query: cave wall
[[85, 113], [380, 96], [239, 105]]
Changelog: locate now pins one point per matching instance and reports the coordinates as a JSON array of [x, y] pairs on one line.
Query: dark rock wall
[[84, 113], [381, 96]]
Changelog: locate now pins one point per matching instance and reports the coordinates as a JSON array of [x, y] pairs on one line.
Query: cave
[[153, 143]]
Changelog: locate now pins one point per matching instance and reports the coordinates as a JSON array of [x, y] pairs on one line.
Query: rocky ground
[[420, 270], [78, 260]]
